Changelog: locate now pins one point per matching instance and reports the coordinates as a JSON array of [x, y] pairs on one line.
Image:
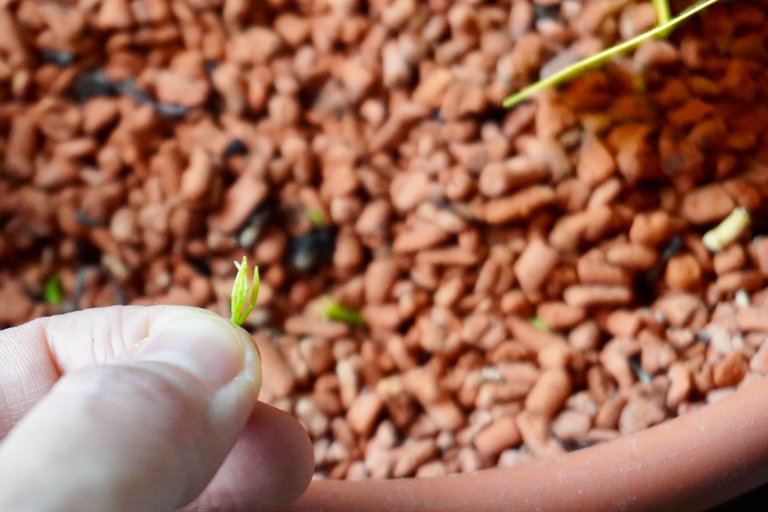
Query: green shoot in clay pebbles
[[664, 26]]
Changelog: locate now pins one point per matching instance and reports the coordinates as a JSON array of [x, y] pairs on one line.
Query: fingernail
[[207, 346]]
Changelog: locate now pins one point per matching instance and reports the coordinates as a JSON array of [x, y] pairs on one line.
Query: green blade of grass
[[600, 58]]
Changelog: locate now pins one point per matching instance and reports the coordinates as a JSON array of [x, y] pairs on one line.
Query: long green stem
[[568, 73], [663, 12], [663, 15]]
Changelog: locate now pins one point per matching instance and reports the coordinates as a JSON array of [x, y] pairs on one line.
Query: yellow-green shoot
[[333, 310], [570, 72], [244, 292], [316, 217], [539, 323]]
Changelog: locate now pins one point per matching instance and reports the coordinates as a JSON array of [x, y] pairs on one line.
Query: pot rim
[[691, 462]]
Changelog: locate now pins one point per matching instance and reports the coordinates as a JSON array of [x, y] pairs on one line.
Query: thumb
[[144, 433]]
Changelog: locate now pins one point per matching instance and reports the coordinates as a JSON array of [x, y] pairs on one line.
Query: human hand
[[136, 409]]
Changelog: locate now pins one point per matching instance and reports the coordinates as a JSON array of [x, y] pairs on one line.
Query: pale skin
[[141, 409]]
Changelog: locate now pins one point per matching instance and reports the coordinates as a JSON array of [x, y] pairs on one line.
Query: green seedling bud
[[331, 309], [244, 293]]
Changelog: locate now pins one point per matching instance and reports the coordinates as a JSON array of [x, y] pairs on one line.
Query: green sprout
[[539, 323], [316, 217], [244, 293], [52, 291], [568, 73], [331, 309]]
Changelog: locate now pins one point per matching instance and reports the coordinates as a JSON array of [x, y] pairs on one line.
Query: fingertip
[[177, 404], [271, 465], [292, 456]]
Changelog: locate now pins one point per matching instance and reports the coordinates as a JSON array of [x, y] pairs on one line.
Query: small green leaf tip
[[244, 293], [316, 217], [334, 310], [52, 290], [539, 324]]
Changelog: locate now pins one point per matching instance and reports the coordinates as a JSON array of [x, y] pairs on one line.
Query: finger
[[34, 355], [270, 466], [162, 423]]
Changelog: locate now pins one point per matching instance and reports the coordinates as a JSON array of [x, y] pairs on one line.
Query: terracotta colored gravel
[[533, 281]]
